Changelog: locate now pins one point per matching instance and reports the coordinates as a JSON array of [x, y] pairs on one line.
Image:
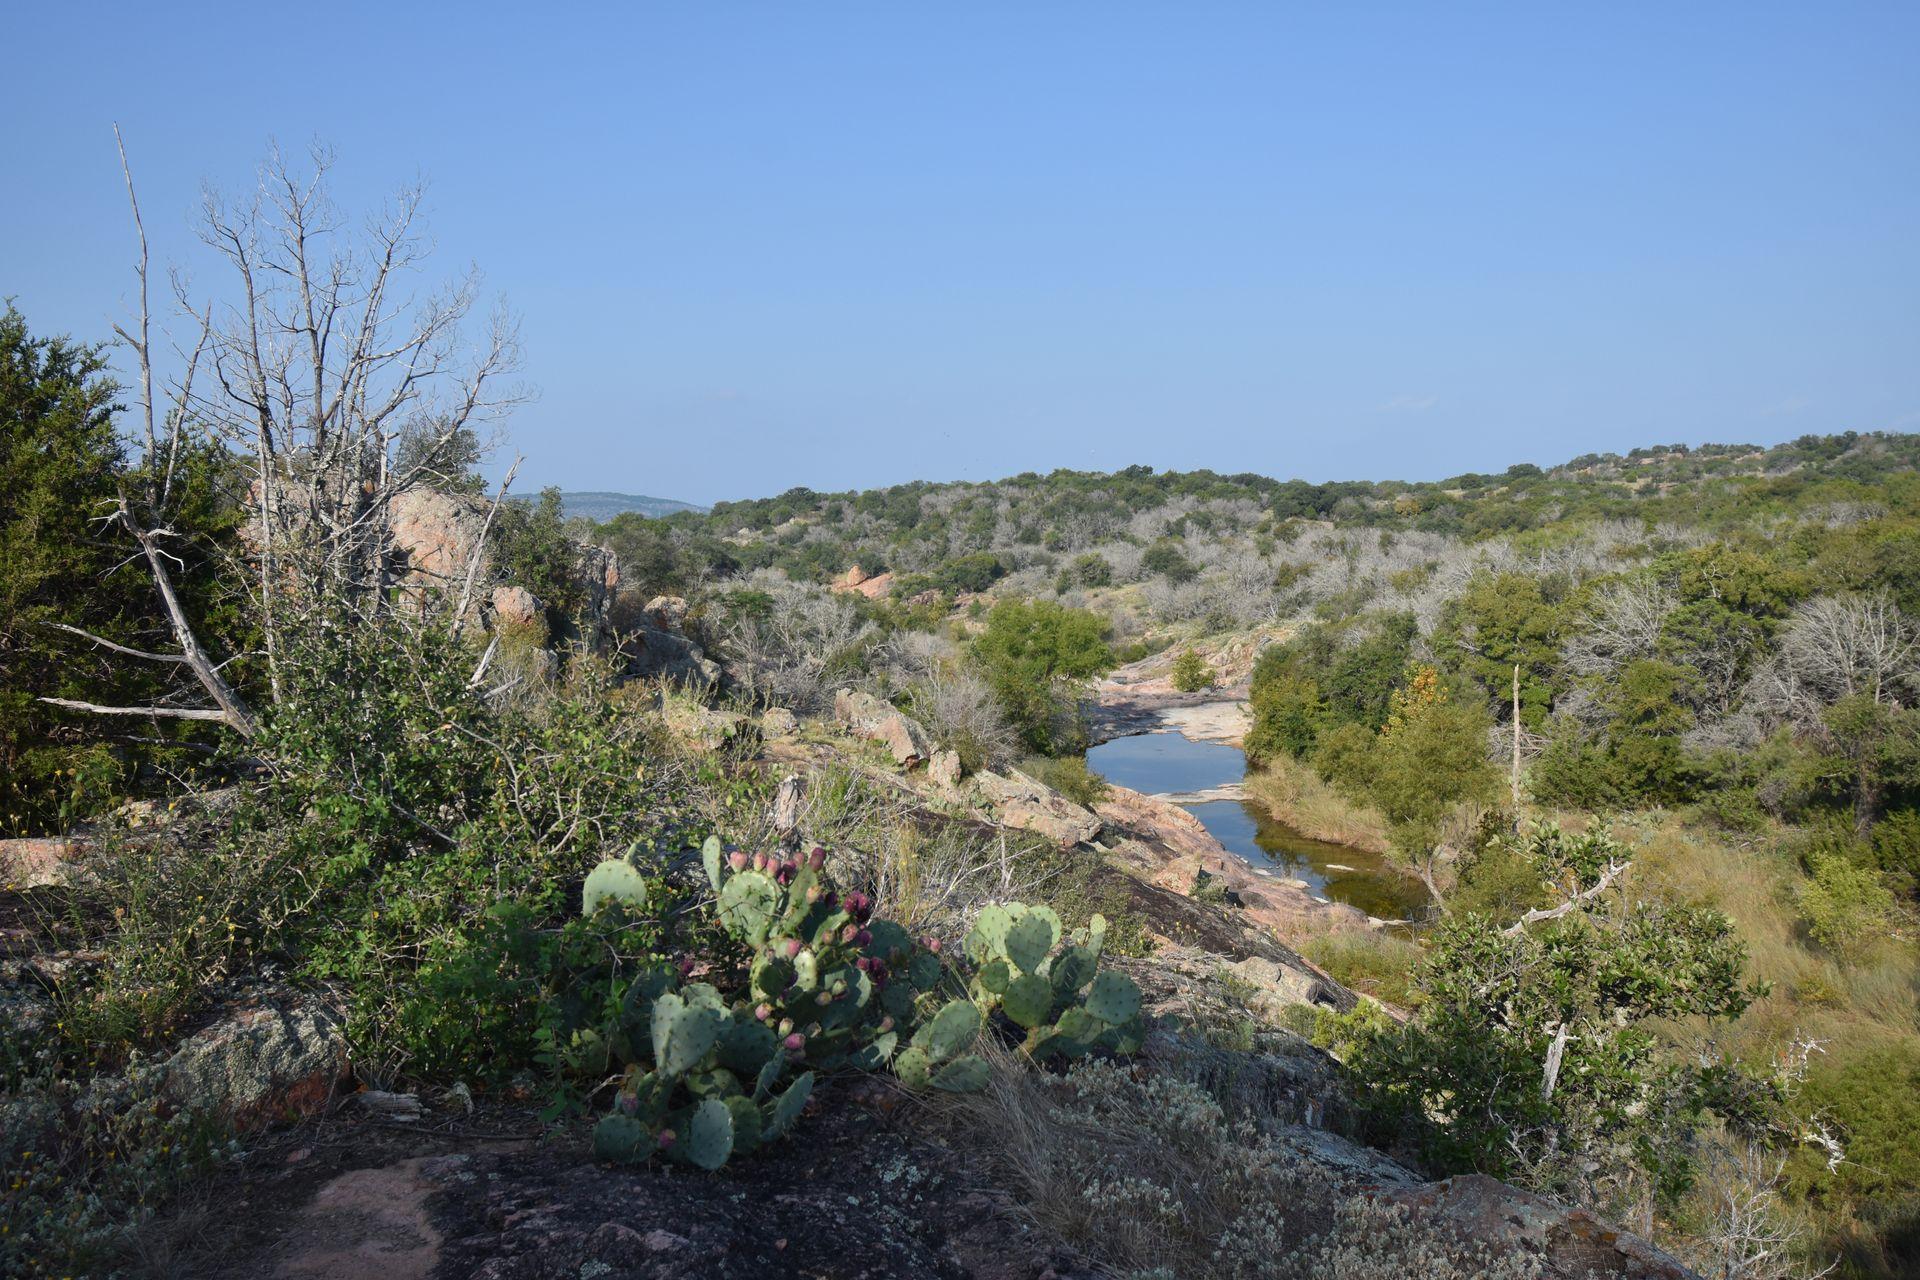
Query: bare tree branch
[[1613, 872], [105, 643]]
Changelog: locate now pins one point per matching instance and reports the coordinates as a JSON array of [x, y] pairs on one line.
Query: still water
[[1162, 763]]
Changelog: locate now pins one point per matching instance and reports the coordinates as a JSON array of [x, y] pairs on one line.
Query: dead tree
[[308, 375]]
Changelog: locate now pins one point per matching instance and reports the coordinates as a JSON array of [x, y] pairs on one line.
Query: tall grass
[[1294, 794]]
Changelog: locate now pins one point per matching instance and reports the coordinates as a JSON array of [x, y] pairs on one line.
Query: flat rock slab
[[849, 1197]]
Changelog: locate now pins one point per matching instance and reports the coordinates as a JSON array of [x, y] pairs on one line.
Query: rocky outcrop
[[870, 717], [703, 727], [851, 1198], [1015, 800], [518, 607], [658, 646], [1172, 849], [944, 770], [858, 581], [274, 1058], [435, 536]]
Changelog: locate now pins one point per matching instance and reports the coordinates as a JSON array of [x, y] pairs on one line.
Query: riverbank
[[1294, 795]]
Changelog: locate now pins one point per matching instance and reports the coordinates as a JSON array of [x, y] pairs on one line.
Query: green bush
[[1464, 1080], [1035, 653], [1844, 904], [1191, 672], [1165, 559]]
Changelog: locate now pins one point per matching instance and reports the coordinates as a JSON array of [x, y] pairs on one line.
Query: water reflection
[[1164, 763], [1333, 871]]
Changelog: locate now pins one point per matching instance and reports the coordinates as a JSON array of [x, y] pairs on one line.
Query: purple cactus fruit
[[818, 858], [849, 933], [763, 1011], [933, 945], [686, 966], [790, 948], [785, 874], [832, 899], [760, 861], [628, 1103], [794, 1043], [666, 1139], [886, 1024], [859, 906], [737, 860], [864, 938]]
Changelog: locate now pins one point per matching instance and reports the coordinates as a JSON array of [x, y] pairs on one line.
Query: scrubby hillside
[[478, 899]]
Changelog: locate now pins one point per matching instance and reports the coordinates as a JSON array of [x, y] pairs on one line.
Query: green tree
[[1428, 762], [1499, 622], [1165, 559], [1034, 654], [60, 465], [1288, 712], [535, 551], [1844, 904], [1867, 751]]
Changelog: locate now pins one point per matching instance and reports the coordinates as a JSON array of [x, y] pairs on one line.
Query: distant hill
[[605, 506]]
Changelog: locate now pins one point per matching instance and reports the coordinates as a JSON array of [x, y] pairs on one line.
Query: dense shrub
[[1534, 1054], [1844, 904], [1191, 672], [1069, 776], [1034, 654]]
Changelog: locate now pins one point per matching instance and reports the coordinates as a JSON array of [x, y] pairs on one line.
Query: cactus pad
[[1028, 941], [962, 1075], [709, 1137], [748, 902], [949, 1032], [994, 976], [787, 1109], [622, 1139], [613, 881], [1029, 1000], [989, 936], [683, 1034], [1113, 998]]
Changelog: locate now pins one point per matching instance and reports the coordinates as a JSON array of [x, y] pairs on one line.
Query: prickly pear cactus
[[827, 987], [1055, 991]]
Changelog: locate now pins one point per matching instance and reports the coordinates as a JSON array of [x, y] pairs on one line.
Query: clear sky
[[761, 245]]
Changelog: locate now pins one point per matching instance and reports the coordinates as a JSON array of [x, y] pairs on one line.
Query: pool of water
[[1164, 763], [1158, 763]]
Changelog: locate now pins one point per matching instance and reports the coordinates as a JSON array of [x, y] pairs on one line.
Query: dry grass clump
[[1293, 793], [1148, 1174]]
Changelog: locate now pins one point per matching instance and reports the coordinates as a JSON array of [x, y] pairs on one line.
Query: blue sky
[[761, 245]]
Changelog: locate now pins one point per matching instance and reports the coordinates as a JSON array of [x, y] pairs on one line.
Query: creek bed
[[1166, 763]]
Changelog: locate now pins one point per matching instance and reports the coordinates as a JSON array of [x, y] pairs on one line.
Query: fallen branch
[[172, 713]]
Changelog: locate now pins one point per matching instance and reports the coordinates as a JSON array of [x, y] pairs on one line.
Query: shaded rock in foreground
[[1570, 1242], [271, 1059]]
